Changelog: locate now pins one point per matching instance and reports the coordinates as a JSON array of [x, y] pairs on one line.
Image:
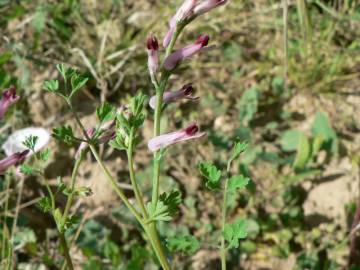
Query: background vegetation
[[285, 78]]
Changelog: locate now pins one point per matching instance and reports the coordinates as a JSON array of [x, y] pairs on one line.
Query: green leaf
[[322, 127], [119, 142], [234, 232], [65, 134], [137, 104], [77, 82], [51, 86], [290, 140], [105, 112], [25, 169], [238, 181], [166, 207], [30, 142], [211, 173], [62, 187], [187, 244], [71, 221], [83, 191], [43, 155], [238, 148], [303, 153], [44, 204], [248, 105], [58, 219], [39, 20], [65, 71]]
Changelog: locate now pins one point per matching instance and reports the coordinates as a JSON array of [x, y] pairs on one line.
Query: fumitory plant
[[121, 128]]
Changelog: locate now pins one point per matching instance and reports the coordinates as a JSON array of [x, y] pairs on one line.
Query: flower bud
[[12, 160], [207, 5], [153, 58], [9, 98]]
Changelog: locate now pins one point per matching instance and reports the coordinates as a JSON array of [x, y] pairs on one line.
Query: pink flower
[[207, 5], [12, 160], [153, 58], [9, 98], [176, 57], [184, 93], [189, 133]]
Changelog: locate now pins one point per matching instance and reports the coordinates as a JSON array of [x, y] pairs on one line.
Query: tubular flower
[[153, 58], [184, 93], [12, 160], [176, 57], [189, 133], [207, 5], [9, 98]]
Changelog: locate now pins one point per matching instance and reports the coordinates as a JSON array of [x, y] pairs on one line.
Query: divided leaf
[[234, 232], [77, 82], [187, 244], [238, 148], [30, 142], [105, 112], [211, 173], [238, 181], [65, 134], [51, 86], [166, 207]]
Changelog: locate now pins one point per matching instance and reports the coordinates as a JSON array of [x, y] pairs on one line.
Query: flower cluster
[[187, 12]]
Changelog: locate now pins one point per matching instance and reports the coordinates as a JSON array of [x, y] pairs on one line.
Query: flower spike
[[9, 98], [189, 133], [176, 57], [184, 93], [12, 160]]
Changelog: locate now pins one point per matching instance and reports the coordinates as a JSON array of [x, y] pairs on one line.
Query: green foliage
[[290, 140], [239, 148], [321, 129], [77, 82], [51, 86], [30, 142], [105, 112], [28, 170], [187, 244], [303, 153], [238, 182], [248, 105], [211, 174], [45, 204], [43, 155], [65, 134], [234, 232], [166, 207]]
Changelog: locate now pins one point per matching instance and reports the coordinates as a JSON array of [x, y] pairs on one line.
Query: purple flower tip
[[203, 40], [191, 130], [152, 43], [9, 98], [12, 160], [184, 93]]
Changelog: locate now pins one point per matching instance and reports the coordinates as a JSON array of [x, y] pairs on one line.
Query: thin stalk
[[223, 249], [156, 244], [5, 215], [17, 210], [137, 191], [72, 192], [66, 251], [285, 42]]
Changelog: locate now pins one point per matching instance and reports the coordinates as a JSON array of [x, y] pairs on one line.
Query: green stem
[[72, 192], [66, 251], [5, 215], [223, 220], [156, 244], [137, 191], [116, 188]]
